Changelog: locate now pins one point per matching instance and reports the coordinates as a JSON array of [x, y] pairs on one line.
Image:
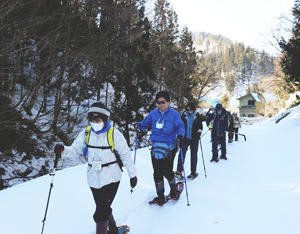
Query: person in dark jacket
[[166, 126], [193, 129], [230, 127], [210, 114], [219, 126]]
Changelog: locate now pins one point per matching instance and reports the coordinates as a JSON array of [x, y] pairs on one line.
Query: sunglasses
[[95, 119], [161, 102]]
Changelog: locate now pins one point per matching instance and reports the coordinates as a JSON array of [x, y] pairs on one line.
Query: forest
[[59, 56]]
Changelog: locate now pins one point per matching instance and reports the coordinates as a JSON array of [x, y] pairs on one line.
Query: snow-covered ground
[[257, 191]]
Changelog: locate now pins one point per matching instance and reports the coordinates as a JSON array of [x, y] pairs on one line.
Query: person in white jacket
[[103, 170]]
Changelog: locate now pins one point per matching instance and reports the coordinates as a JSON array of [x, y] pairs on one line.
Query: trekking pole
[[243, 136], [240, 135], [135, 148], [57, 156], [204, 133], [202, 158], [186, 190]]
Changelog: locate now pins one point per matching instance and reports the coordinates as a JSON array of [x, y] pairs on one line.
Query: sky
[[257, 190], [250, 22]]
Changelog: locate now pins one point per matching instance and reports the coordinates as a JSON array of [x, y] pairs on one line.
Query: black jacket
[[220, 124], [197, 124]]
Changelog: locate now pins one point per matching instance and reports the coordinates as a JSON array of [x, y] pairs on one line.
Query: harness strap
[[98, 147], [105, 164], [111, 146]]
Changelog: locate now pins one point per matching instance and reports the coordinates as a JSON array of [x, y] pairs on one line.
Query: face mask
[[97, 126], [219, 112]]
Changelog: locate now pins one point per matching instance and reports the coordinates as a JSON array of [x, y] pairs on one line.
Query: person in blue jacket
[[193, 130], [219, 127], [167, 126]]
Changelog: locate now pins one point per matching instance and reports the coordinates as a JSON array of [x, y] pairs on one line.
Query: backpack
[[110, 140]]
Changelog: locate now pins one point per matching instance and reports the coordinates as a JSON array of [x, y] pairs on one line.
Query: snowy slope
[[257, 191]]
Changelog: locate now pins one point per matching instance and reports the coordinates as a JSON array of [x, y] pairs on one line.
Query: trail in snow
[[257, 190]]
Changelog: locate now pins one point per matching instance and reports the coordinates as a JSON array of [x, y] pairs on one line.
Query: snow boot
[[223, 156], [101, 227], [112, 226], [173, 189], [159, 200], [177, 192], [160, 189], [214, 160], [179, 175], [193, 175]]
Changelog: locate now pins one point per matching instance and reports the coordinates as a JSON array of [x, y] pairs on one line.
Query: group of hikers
[[106, 151]]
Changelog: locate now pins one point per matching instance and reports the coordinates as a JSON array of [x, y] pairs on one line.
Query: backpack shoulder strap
[[87, 134], [110, 138]]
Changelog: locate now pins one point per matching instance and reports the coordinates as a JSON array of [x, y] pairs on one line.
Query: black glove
[[59, 148], [133, 182], [180, 140], [137, 126]]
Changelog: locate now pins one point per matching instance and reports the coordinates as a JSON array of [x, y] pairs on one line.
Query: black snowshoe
[[159, 200], [193, 175]]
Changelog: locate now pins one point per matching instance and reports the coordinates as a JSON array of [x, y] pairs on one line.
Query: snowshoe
[[159, 201], [178, 175], [214, 160], [178, 191], [193, 175], [123, 229]]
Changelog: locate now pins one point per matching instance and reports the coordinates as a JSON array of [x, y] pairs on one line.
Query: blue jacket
[[196, 125], [165, 127]]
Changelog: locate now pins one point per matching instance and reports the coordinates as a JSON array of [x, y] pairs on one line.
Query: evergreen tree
[[291, 51], [164, 36]]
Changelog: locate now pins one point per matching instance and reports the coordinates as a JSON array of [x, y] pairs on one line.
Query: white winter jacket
[[236, 123], [111, 173]]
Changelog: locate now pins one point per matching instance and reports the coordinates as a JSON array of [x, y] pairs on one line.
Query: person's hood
[[219, 107]]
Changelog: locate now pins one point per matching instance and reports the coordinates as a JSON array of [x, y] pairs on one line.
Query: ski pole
[[240, 135], [243, 136], [204, 133], [186, 190], [135, 148], [202, 158], [57, 156]]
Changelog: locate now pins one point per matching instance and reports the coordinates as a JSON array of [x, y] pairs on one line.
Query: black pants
[[218, 140], [193, 144], [236, 133], [162, 168], [103, 198]]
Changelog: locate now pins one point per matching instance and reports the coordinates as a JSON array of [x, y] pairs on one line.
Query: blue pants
[[218, 140], [193, 143]]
